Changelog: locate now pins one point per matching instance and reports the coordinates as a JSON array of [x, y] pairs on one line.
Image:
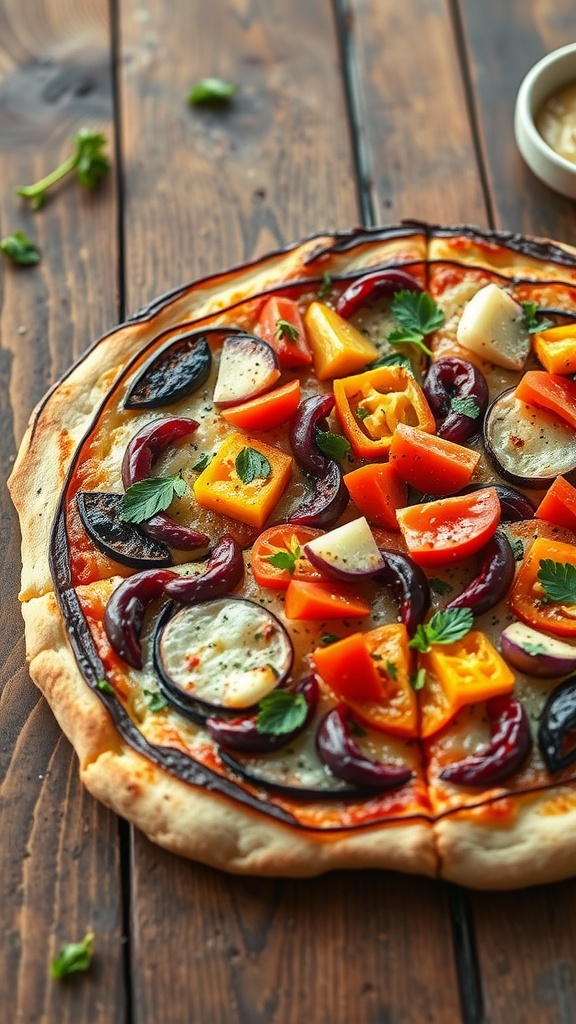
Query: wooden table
[[346, 112]]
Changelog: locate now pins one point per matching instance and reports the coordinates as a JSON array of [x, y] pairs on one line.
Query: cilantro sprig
[[281, 712], [149, 496], [465, 407], [285, 559], [20, 249], [443, 628], [250, 463], [417, 315], [530, 321], [558, 581], [333, 445], [87, 160], [73, 957]]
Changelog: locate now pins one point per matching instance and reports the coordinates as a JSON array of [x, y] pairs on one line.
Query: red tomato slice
[[281, 325], [267, 411], [549, 391], [448, 530], [283, 539]]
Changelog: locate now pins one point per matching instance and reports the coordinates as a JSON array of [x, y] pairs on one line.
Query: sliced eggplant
[[292, 774], [535, 653], [100, 513], [375, 285], [409, 585], [227, 653], [178, 369], [248, 366], [509, 746], [457, 394], [345, 759], [529, 447], [125, 611], [348, 553], [496, 570], [148, 442], [326, 502], [556, 727]]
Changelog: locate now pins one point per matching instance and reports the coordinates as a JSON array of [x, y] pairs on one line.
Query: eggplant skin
[[181, 367], [528, 447], [122, 541]]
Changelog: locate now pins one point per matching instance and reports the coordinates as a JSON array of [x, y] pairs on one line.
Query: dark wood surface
[[346, 112]]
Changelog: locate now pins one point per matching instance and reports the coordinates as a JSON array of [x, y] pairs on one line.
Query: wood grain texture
[[211, 189], [59, 856], [414, 130], [503, 41]]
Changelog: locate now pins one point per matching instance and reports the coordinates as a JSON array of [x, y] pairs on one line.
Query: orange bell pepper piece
[[549, 391], [556, 349], [430, 463], [221, 489], [347, 668], [320, 601], [558, 505], [267, 411], [377, 491], [529, 599], [370, 406], [338, 348]]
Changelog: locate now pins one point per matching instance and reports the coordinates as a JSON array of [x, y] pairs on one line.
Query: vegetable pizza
[[299, 559]]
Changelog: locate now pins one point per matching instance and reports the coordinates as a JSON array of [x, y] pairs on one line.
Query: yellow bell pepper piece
[[464, 672], [221, 489], [556, 349], [338, 348]]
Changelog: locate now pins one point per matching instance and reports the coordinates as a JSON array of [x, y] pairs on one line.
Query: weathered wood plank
[[503, 42], [59, 857], [205, 189], [418, 151]]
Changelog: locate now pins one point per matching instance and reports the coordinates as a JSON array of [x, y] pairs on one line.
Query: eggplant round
[[101, 516], [535, 653], [410, 587], [279, 776], [248, 366], [225, 654], [178, 369], [327, 501], [529, 447], [148, 442], [557, 722], [310, 415]]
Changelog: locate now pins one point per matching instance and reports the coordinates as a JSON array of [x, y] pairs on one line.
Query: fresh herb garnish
[[418, 679], [558, 580], [517, 547], [75, 956], [361, 412], [88, 160], [532, 325], [393, 359], [443, 628], [204, 461], [155, 700], [211, 90], [440, 587], [325, 287], [285, 559], [284, 329], [20, 249], [149, 496], [329, 638], [417, 315], [250, 464], [466, 407], [391, 669], [280, 712], [333, 445], [104, 686], [531, 648]]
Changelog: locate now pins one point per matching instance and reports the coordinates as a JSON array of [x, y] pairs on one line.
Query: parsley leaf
[[88, 160], [392, 359], [155, 700], [285, 559], [20, 249], [361, 412], [529, 320], [325, 287], [105, 687], [250, 464], [443, 628], [405, 336], [416, 311], [517, 547], [149, 496], [439, 586], [204, 461], [466, 407], [280, 712], [418, 679], [284, 329], [531, 648], [558, 581], [391, 669], [75, 956], [333, 445], [211, 90]]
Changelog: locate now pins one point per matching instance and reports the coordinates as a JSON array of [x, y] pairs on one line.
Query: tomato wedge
[[282, 326], [377, 491], [283, 539], [267, 411], [430, 463], [528, 597], [323, 600], [450, 529], [559, 504], [549, 391]]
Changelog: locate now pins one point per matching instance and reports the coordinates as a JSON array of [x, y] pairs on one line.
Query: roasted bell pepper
[[464, 672], [319, 601], [556, 349], [370, 406], [267, 411], [532, 599], [377, 491], [558, 505], [430, 463], [549, 391], [370, 671], [221, 487], [338, 348]]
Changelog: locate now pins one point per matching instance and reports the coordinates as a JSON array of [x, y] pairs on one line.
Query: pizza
[[299, 559]]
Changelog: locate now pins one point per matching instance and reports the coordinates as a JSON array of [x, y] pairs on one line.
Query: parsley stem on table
[[88, 160]]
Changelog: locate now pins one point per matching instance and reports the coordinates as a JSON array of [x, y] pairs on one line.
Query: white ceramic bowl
[[549, 74]]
